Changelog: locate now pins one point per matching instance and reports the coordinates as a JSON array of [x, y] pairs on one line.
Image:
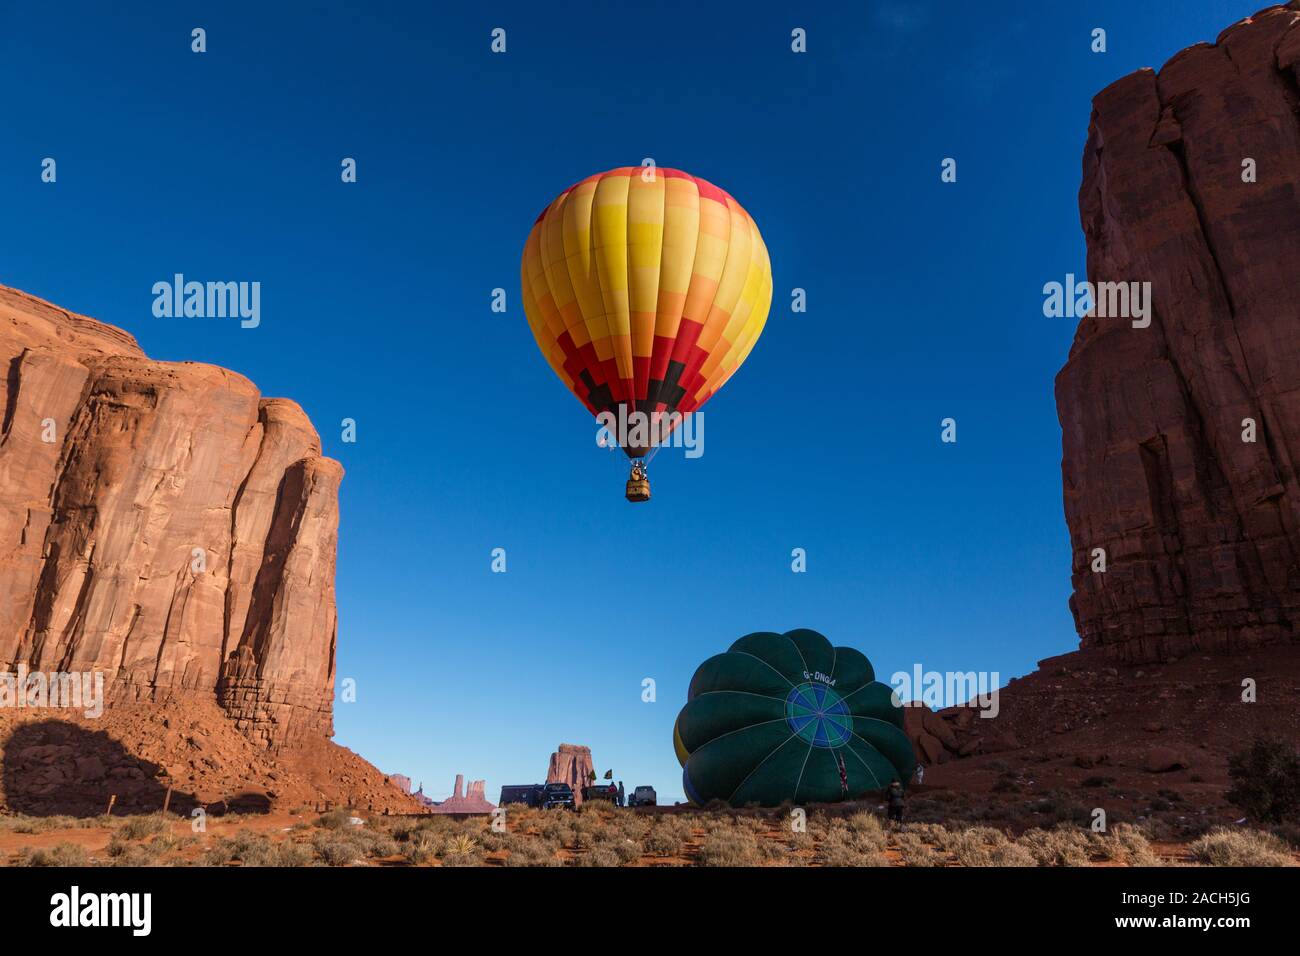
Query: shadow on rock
[[52, 768]]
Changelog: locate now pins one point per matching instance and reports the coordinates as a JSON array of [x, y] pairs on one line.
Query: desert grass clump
[[730, 847], [842, 845], [1012, 854], [557, 827], [420, 846], [866, 825], [21, 823], [975, 846], [460, 850], [61, 854], [534, 852], [1060, 847], [1126, 843], [245, 847], [124, 853], [136, 855], [292, 854], [137, 828], [1225, 846], [668, 836], [600, 856], [335, 820], [596, 808], [915, 850], [342, 848], [631, 826], [337, 852], [627, 850]]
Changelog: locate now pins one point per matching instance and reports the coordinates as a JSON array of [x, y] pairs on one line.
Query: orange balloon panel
[[645, 289]]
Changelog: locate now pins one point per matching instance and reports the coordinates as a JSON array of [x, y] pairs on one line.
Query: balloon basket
[[638, 489]]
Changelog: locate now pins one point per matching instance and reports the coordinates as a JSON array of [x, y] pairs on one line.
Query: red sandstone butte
[[571, 764], [1200, 529], [164, 523]]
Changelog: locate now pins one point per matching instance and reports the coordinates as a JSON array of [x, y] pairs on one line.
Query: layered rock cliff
[[164, 524], [1191, 181]]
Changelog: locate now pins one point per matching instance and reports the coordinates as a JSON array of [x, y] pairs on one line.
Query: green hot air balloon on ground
[[789, 717]]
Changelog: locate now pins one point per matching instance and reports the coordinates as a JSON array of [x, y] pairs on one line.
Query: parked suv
[[529, 794], [557, 795], [643, 797]]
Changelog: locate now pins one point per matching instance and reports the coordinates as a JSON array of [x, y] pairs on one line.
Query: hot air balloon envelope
[[789, 717], [645, 289]]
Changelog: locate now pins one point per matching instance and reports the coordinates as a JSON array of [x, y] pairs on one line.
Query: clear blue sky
[[924, 301]]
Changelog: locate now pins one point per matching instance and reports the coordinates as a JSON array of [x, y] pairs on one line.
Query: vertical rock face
[[1200, 528], [164, 524], [571, 764]]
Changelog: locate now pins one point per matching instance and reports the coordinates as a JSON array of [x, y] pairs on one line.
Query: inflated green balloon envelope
[[789, 717]]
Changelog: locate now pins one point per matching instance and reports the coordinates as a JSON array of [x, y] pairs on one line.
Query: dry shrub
[[534, 852], [627, 851], [420, 846], [61, 854], [975, 846], [290, 853], [1224, 846], [557, 828], [915, 850], [20, 823], [867, 826], [850, 853], [343, 847], [137, 828], [1060, 847], [1125, 843], [730, 847], [337, 852], [667, 836], [600, 856], [460, 850], [335, 820], [1012, 854]]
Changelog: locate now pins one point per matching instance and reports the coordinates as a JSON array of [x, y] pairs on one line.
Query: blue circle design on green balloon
[[818, 715]]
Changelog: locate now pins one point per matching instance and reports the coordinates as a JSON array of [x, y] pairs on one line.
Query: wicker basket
[[638, 489]]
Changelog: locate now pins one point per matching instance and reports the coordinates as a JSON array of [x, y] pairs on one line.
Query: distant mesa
[[571, 764], [463, 800]]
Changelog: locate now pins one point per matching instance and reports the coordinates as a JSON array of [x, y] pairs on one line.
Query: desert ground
[[843, 835]]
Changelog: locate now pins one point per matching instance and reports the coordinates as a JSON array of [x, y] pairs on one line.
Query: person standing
[[894, 796], [621, 795]]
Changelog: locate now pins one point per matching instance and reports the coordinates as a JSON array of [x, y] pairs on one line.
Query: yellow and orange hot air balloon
[[646, 288]]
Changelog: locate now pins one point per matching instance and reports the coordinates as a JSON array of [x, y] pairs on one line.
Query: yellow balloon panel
[[645, 288]]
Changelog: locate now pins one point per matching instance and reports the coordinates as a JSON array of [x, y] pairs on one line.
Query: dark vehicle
[[556, 795], [601, 791], [643, 797], [529, 794]]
